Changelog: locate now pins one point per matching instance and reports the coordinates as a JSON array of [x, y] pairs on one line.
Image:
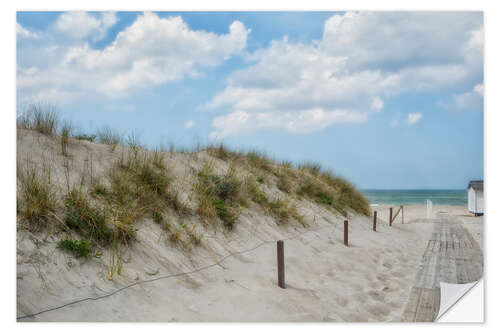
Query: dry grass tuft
[[108, 136], [259, 160], [312, 167], [65, 135], [280, 209], [37, 196], [40, 117], [86, 219], [219, 196]]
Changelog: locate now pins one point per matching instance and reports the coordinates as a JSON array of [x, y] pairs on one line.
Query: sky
[[388, 100]]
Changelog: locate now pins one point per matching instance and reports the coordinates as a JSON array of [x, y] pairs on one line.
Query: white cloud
[[396, 40], [189, 124], [305, 121], [478, 89], [22, 32], [362, 59], [414, 118], [377, 104], [150, 52], [80, 25], [468, 101]]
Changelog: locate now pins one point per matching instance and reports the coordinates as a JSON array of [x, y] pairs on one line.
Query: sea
[[416, 197]]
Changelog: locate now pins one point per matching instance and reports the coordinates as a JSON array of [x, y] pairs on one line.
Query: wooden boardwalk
[[452, 256]]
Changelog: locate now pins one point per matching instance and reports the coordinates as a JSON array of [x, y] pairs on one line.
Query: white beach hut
[[476, 197]]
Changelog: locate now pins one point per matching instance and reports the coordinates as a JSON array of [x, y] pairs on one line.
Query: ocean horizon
[[416, 197]]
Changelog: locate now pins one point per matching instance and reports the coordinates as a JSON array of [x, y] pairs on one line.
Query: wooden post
[[281, 264], [402, 214], [390, 217], [346, 233], [375, 221]]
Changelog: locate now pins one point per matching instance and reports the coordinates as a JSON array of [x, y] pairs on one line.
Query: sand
[[326, 281]]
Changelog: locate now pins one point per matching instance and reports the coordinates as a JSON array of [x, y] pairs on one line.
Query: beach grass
[[140, 184]]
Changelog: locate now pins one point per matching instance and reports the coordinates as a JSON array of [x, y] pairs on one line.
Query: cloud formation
[[22, 32], [150, 52], [80, 25], [414, 118], [361, 60], [468, 101]]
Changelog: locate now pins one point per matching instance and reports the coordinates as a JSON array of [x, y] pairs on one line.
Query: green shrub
[[158, 217], [86, 137], [79, 248], [99, 189]]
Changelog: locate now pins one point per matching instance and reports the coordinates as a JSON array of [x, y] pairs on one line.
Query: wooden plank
[[428, 307], [452, 255], [410, 312]]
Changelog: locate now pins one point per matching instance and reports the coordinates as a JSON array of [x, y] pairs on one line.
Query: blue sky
[[385, 99]]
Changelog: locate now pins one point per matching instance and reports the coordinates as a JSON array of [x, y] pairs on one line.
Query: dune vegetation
[[98, 211]]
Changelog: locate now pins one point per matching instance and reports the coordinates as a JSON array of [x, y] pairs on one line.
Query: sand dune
[[368, 281]]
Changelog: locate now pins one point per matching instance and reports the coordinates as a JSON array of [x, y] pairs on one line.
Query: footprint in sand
[[343, 302], [376, 295], [387, 264], [378, 310]]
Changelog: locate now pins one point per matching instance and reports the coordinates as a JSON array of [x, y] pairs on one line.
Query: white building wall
[[471, 199], [475, 201], [479, 201]]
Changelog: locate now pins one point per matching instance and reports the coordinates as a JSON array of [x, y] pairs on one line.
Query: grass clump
[[281, 209], [219, 195], [259, 160], [316, 191], [85, 137], [139, 187], [347, 193], [36, 193], [40, 117], [85, 219], [108, 136], [284, 183], [99, 189], [158, 217], [158, 158], [220, 151], [65, 134], [329, 190], [312, 167], [81, 248], [194, 236]]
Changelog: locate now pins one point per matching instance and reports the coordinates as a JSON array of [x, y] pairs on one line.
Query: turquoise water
[[413, 197]]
